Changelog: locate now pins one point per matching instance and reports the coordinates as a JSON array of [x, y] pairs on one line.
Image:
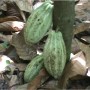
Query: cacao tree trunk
[[64, 18]]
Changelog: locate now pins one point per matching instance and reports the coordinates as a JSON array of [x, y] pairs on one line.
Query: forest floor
[[15, 54]]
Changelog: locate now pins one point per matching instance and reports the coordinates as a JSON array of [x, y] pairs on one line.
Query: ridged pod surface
[[33, 68], [54, 54], [38, 23]]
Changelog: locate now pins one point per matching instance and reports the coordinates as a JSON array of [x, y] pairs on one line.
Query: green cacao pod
[[54, 54], [38, 23], [33, 68]]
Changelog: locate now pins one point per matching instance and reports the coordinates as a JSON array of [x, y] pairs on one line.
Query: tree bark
[[64, 18]]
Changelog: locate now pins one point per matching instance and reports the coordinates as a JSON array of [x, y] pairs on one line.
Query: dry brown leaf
[[74, 47], [14, 81], [82, 10], [24, 51], [11, 26], [11, 52], [9, 18], [37, 81], [22, 4], [6, 38], [51, 85], [21, 66], [14, 10], [76, 66], [86, 50], [6, 26], [81, 27], [2, 5], [86, 38], [20, 87]]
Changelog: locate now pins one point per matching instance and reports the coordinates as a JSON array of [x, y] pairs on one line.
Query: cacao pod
[[54, 54], [38, 23], [33, 68]]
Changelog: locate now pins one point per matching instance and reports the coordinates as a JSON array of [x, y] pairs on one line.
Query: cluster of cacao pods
[[53, 57]]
